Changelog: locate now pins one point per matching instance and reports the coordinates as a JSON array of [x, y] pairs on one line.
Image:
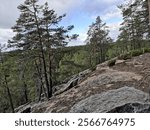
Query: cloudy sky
[[80, 13]]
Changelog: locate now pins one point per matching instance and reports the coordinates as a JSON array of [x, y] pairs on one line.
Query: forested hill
[[19, 81]]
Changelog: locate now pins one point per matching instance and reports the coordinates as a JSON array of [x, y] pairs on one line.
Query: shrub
[[146, 50], [136, 52], [125, 56], [111, 62]]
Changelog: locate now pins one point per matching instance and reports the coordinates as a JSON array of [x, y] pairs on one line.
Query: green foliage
[[136, 52], [146, 50], [111, 62], [72, 63], [38, 32], [124, 56], [98, 40], [68, 61], [133, 53], [135, 27]]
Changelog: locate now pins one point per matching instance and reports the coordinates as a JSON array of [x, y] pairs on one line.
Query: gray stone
[[132, 108], [110, 76], [71, 83], [84, 73], [58, 87], [26, 108], [30, 107], [74, 80], [110, 100]]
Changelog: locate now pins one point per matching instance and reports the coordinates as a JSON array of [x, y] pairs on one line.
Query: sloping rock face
[[110, 76], [131, 72], [126, 99]]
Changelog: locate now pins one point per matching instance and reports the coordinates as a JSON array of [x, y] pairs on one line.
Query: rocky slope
[[125, 99], [123, 87]]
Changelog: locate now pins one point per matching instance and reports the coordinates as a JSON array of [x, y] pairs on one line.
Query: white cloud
[[8, 12], [80, 41], [114, 30], [112, 14], [97, 7], [5, 34], [63, 6]]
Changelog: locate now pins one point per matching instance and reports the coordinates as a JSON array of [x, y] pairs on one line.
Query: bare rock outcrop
[[125, 99], [110, 76]]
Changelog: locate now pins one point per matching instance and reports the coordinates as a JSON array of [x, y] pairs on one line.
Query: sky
[[80, 13]]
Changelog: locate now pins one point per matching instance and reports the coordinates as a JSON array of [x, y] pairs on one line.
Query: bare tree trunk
[[149, 10], [42, 54], [25, 90], [45, 74], [149, 26], [50, 75], [9, 95], [50, 62], [22, 79], [41, 89]]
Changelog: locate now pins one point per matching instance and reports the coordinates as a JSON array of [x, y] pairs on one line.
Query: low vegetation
[[111, 62]]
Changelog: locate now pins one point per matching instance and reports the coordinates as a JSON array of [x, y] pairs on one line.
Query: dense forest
[[41, 58]]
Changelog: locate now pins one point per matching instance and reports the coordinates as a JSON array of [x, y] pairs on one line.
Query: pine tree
[[38, 34], [98, 39], [135, 27], [54, 36]]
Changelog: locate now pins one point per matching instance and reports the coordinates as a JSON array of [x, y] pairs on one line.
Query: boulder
[[119, 100]]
